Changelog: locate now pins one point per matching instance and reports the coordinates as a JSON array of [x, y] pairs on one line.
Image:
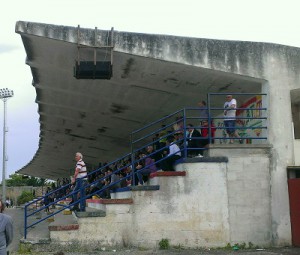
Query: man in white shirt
[[79, 179], [230, 118], [174, 154]]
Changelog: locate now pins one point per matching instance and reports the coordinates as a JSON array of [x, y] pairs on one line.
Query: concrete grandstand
[[154, 75]]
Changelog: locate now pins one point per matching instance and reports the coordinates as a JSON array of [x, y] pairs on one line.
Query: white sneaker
[[199, 156]]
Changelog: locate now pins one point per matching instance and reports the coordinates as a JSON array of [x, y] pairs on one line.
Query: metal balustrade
[[142, 138]]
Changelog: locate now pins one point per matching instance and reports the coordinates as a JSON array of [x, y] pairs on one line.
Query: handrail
[[26, 215], [184, 149], [155, 122]]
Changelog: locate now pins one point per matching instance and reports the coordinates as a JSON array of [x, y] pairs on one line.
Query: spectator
[[193, 141], [98, 185], [147, 165], [154, 155], [178, 126], [79, 180], [6, 230], [123, 182], [106, 182], [205, 133], [230, 118], [173, 155], [178, 138], [203, 111], [7, 202], [113, 179], [46, 203]]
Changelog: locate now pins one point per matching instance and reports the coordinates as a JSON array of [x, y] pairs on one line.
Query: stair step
[[168, 173], [64, 227], [90, 212], [124, 189], [111, 201], [144, 187], [63, 222]]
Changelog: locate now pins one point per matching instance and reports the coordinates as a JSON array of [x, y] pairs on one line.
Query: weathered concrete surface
[[153, 74], [171, 71], [214, 204], [249, 192]]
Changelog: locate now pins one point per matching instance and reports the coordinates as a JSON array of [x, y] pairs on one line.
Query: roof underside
[[96, 117]]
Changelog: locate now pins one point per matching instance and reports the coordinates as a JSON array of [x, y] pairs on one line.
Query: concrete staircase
[[106, 220]]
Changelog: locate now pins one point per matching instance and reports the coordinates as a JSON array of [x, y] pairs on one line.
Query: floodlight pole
[[5, 94]]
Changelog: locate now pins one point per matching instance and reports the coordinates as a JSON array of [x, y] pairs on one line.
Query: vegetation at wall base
[[164, 244]]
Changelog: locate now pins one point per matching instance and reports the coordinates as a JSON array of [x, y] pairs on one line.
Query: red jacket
[[205, 132]]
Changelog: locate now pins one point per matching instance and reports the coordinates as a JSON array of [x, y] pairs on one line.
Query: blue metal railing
[[141, 142]]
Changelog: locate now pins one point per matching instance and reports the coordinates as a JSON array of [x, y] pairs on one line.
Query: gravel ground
[[273, 251]]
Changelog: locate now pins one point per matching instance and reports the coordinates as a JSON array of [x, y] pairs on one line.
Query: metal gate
[[294, 194]]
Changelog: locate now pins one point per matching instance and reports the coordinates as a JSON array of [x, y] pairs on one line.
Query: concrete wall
[[214, 204], [297, 152], [14, 192], [249, 192], [191, 211]]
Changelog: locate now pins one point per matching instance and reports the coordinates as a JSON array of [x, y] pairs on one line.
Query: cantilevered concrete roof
[[153, 76]]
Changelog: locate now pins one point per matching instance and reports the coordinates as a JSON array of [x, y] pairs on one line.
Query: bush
[[25, 197], [164, 244]]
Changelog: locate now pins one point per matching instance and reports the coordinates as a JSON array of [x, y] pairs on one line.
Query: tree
[[25, 197], [22, 180], [15, 180]]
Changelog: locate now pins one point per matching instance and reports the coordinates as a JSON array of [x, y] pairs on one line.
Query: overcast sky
[[272, 21]]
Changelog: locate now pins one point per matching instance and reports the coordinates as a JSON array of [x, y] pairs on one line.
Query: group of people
[[166, 149], [102, 183]]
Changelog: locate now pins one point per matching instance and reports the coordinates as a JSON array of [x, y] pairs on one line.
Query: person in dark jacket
[[194, 143]]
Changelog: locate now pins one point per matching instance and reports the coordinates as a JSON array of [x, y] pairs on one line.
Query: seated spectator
[[110, 183], [178, 139], [147, 164], [178, 126], [193, 141], [114, 178], [173, 155], [123, 182], [98, 185], [205, 132], [105, 193], [156, 156], [127, 172]]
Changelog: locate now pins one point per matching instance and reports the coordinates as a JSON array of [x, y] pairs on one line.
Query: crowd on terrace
[[169, 145], [161, 154]]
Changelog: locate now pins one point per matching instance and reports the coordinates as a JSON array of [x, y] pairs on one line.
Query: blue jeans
[[229, 126], [79, 188]]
